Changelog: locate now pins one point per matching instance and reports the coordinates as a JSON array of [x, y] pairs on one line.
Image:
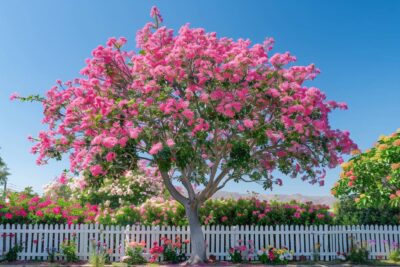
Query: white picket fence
[[306, 241]]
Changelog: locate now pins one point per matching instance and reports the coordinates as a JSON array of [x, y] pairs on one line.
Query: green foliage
[[68, 249], [96, 260], [394, 255], [99, 255], [12, 254], [52, 253], [4, 173], [173, 254], [349, 213], [240, 154], [134, 255], [236, 256], [358, 253]]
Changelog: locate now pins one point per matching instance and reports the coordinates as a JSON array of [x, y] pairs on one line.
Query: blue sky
[[354, 43]]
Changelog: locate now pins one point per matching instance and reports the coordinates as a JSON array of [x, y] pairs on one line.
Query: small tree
[[4, 173], [372, 178], [200, 109]]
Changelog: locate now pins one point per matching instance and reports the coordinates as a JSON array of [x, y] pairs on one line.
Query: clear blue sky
[[356, 44]]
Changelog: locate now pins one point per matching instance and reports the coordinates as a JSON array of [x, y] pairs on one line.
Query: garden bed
[[216, 264]]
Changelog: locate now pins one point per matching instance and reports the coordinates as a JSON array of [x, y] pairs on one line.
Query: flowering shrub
[[241, 252], [156, 251], [358, 253], [251, 211], [35, 210], [173, 251], [275, 255], [158, 211], [134, 253], [130, 188]]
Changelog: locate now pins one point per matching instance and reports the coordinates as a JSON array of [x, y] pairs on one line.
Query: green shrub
[[68, 249], [134, 254], [12, 254], [394, 255], [358, 253], [348, 213]]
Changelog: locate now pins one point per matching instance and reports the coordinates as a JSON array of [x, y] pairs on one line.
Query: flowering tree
[[372, 178], [200, 109]]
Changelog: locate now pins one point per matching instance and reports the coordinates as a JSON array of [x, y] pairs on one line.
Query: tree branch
[[172, 190]]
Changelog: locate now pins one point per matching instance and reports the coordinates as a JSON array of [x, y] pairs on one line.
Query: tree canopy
[[198, 109]]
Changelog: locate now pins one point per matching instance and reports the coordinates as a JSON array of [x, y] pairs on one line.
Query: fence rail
[[324, 241]]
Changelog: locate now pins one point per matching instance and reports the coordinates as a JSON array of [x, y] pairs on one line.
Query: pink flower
[[63, 179], [14, 96], [134, 133], [110, 156], [155, 13], [8, 216], [39, 213], [156, 148], [56, 210], [224, 218], [170, 142], [110, 142], [96, 170], [320, 215], [188, 114], [248, 123]]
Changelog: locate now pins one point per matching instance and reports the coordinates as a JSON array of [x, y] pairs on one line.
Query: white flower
[[289, 256], [125, 258]]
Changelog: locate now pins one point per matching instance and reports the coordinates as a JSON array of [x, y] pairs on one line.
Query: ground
[[222, 264]]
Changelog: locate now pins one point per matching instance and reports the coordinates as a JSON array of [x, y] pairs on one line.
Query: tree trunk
[[198, 244]]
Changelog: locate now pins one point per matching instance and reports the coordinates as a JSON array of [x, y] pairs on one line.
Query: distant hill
[[327, 200]]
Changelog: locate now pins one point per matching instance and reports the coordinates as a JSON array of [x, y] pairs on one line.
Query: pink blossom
[[156, 148], [8, 216], [109, 142], [56, 210], [188, 114], [96, 170], [248, 123], [170, 142], [39, 213], [155, 13], [14, 96], [110, 156], [134, 133]]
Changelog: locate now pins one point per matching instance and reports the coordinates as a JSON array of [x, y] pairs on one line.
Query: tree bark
[[198, 244]]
